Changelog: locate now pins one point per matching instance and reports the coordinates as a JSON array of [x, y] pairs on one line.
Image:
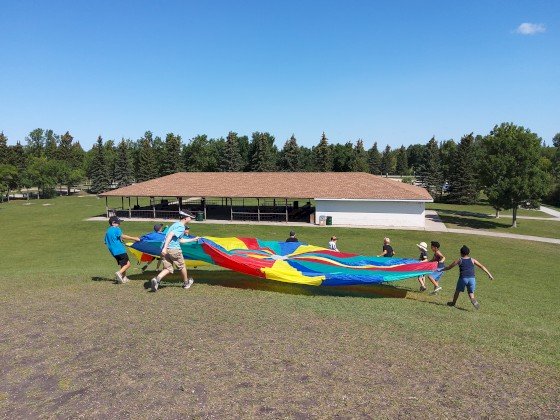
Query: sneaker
[[475, 303], [119, 278], [422, 288], [154, 283], [437, 289], [188, 284], [125, 279], [450, 304]]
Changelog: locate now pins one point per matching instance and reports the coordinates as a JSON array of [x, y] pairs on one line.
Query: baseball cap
[[114, 219], [157, 227], [292, 233], [185, 214]]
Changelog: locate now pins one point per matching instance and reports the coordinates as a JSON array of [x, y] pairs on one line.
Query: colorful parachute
[[291, 262]]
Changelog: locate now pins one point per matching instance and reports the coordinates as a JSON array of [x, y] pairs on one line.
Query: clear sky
[[396, 72]]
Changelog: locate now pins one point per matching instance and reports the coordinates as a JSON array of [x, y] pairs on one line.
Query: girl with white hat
[[423, 247]]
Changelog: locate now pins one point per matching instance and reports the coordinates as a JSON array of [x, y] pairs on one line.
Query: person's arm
[[450, 266], [130, 238], [184, 241], [168, 238], [475, 262], [441, 255], [383, 253]]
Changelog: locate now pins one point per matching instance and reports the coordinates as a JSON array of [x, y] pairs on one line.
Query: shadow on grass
[[471, 220], [225, 278]]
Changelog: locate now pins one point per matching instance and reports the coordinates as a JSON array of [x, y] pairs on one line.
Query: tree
[[415, 156], [35, 142], [99, 169], [388, 161], [147, 165], [51, 144], [230, 157], [430, 172], [111, 159], [158, 149], [124, 171], [323, 155], [374, 160], [402, 161], [556, 140], [172, 162], [262, 157], [342, 157], [64, 152], [4, 149], [8, 179], [447, 151], [511, 172], [290, 159], [463, 188], [200, 155], [360, 162], [42, 173]]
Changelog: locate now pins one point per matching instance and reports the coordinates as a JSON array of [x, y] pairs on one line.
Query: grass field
[[478, 217], [75, 344]]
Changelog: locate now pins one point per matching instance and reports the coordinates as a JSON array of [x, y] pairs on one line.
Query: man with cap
[[171, 252], [113, 241], [292, 237]]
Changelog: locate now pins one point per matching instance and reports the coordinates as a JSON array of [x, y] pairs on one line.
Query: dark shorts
[[467, 282], [122, 259]]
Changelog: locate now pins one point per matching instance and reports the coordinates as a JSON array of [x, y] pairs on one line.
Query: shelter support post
[[204, 204], [286, 210], [129, 210], [230, 208], [180, 203], [107, 206], [258, 209], [153, 203], [122, 203]]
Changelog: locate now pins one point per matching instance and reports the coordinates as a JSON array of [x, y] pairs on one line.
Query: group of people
[[178, 233], [465, 263]]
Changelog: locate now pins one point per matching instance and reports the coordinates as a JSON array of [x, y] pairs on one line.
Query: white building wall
[[372, 213]]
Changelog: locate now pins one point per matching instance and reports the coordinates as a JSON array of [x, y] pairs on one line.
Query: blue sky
[[395, 72]]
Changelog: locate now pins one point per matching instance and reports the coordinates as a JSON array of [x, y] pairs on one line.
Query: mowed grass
[[475, 217], [234, 346]]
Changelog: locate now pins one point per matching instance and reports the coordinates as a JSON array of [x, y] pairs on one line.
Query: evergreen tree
[[124, 171], [64, 152], [402, 161], [462, 177], [99, 169], [18, 158], [388, 161], [430, 173], [415, 156], [244, 148], [4, 149], [77, 156], [360, 163], [230, 157], [447, 151], [111, 159], [323, 155], [261, 156], [35, 143], [199, 155], [147, 165], [374, 160], [158, 149], [290, 159], [172, 159], [307, 159]]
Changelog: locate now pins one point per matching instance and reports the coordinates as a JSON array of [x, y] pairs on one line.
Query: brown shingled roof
[[328, 185]]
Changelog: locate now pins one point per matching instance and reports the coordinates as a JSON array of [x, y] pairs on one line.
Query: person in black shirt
[[423, 247], [387, 249], [292, 237]]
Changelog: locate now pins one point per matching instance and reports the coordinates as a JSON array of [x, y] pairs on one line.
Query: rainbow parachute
[[291, 262]]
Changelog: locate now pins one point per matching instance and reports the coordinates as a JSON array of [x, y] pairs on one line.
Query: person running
[[153, 236], [332, 244], [423, 247], [292, 237], [113, 241], [387, 249], [440, 259], [466, 276], [172, 254]]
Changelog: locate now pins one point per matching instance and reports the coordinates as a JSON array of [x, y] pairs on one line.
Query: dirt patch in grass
[[95, 349]]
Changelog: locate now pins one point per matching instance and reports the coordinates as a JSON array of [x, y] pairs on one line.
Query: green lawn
[[484, 210], [234, 346], [474, 217]]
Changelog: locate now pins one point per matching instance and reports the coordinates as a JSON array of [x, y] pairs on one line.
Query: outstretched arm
[[130, 238], [475, 262], [450, 266], [184, 241]]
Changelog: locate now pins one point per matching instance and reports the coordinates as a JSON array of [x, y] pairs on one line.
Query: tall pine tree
[[147, 165], [4, 150], [64, 152], [462, 177], [124, 170], [172, 159], [230, 157], [262, 157], [374, 160], [290, 160], [323, 155], [360, 163], [431, 174], [99, 169], [402, 161], [388, 161]]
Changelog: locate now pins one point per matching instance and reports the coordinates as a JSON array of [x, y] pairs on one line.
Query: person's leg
[[458, 289], [167, 269], [455, 297], [471, 285], [422, 282], [437, 287], [187, 282]]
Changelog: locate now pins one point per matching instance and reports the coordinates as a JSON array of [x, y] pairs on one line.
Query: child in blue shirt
[[113, 240]]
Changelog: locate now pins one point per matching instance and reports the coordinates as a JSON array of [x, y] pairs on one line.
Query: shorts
[[173, 256], [437, 275], [468, 282], [122, 259]]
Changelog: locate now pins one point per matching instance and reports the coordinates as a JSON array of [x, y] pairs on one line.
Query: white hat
[[423, 246], [185, 214]]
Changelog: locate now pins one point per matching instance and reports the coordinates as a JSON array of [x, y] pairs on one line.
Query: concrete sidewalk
[[550, 211]]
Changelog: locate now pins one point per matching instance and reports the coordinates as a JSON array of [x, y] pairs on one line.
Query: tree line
[[511, 164]]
